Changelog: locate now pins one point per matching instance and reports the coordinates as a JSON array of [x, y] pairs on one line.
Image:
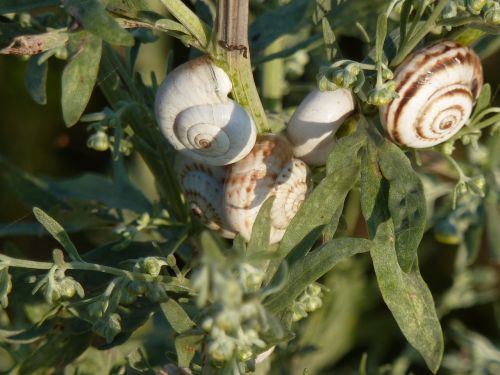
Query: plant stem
[[273, 78], [420, 34], [184, 15], [82, 266], [233, 54]]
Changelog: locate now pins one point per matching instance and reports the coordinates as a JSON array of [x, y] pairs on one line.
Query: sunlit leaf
[[408, 297], [176, 316]]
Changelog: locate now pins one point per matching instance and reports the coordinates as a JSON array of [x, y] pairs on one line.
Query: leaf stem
[[233, 54]]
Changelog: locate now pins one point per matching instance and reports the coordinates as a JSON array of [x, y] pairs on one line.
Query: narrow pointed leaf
[[35, 79], [58, 232]]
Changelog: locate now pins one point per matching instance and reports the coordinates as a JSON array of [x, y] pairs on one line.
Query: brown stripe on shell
[[411, 91], [420, 133]]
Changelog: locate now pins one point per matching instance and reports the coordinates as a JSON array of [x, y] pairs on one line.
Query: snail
[[197, 117], [437, 87], [268, 170], [312, 127], [203, 186]]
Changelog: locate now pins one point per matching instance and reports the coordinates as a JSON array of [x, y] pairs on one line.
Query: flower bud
[[492, 14], [221, 350], [475, 6], [152, 266], [98, 141]]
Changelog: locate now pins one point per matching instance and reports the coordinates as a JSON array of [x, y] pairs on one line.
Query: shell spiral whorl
[[437, 87], [203, 187], [197, 117], [268, 170]]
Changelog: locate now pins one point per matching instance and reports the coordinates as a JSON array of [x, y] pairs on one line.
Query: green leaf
[[35, 79], [186, 346], [380, 37], [94, 18], [408, 298], [79, 77], [176, 316], [483, 101], [57, 231], [16, 6], [312, 266], [259, 240], [406, 202], [405, 14], [285, 19], [31, 190]]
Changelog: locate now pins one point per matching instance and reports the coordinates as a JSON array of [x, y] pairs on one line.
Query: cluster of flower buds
[[55, 286], [234, 329], [383, 94], [307, 302], [351, 76]]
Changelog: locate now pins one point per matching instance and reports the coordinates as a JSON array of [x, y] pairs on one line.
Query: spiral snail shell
[[197, 117], [268, 170], [203, 186], [312, 127], [437, 87]]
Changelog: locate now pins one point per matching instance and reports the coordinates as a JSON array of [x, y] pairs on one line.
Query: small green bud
[[479, 181], [475, 6], [67, 288], [151, 266], [298, 312], [228, 320], [98, 141], [207, 324], [136, 287], [221, 350], [312, 303], [313, 289], [448, 148], [492, 14], [244, 353]]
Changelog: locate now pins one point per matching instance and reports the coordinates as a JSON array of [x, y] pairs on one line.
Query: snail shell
[[197, 117], [203, 186], [315, 121], [269, 169], [437, 88]]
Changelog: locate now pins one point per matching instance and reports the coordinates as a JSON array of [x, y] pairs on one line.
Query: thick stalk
[[233, 54]]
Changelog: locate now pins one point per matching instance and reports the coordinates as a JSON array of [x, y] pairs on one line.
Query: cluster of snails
[[228, 172]]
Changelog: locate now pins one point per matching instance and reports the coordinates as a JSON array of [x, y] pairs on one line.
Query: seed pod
[[437, 87], [197, 117]]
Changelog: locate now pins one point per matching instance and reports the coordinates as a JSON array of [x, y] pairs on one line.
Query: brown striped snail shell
[[437, 87], [202, 186], [313, 125], [197, 117], [268, 170]]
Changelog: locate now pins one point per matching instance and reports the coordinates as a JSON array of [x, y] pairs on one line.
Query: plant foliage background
[[109, 273]]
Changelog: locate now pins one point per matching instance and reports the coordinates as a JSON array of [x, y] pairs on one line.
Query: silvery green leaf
[[35, 79], [408, 297], [483, 101], [312, 266], [94, 18], [58, 232], [185, 346], [177, 317], [259, 240], [79, 77]]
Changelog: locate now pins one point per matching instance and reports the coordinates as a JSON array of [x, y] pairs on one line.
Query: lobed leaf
[[408, 297]]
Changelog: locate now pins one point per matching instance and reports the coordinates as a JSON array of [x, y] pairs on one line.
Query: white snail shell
[[437, 89], [197, 117], [269, 169], [315, 121], [203, 187]]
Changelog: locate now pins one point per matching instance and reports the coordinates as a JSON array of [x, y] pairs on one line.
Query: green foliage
[[150, 289]]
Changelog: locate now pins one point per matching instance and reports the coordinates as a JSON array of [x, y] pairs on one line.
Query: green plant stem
[[273, 73], [412, 42], [189, 20], [82, 266], [233, 54]]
